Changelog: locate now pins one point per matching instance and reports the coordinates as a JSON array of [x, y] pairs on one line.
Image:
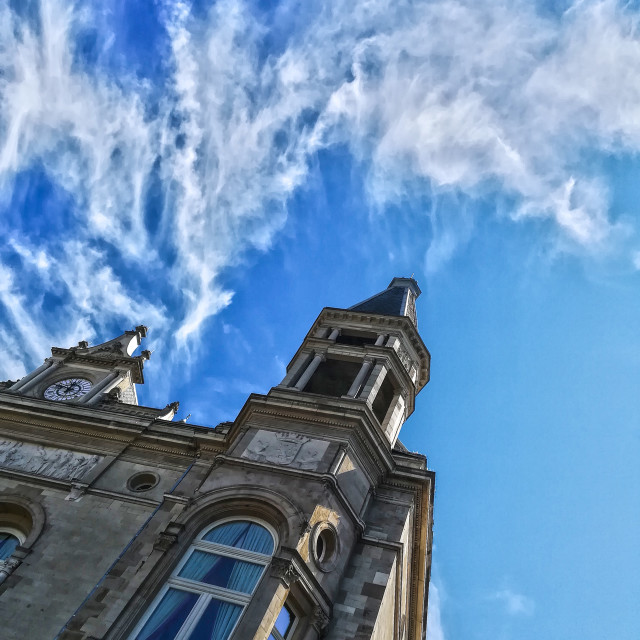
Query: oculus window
[[207, 592]]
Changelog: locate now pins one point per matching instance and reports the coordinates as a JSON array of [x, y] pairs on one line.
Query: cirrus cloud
[[171, 179]]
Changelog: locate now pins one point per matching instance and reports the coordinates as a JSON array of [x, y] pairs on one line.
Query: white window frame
[[205, 591]]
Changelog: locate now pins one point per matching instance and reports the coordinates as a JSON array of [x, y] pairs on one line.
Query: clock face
[[68, 389]]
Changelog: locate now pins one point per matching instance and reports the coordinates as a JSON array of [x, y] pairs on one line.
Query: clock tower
[[303, 518], [85, 374]]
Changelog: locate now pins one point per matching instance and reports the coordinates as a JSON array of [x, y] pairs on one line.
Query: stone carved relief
[[405, 358], [46, 461], [284, 570], [319, 619], [286, 449]]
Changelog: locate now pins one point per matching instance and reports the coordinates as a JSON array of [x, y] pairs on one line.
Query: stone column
[[35, 379], [337, 461], [392, 342], [102, 385], [360, 378], [333, 336], [374, 383], [392, 427], [310, 370], [299, 365], [380, 340], [20, 383]]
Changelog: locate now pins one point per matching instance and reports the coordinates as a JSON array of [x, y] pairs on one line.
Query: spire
[[398, 299]]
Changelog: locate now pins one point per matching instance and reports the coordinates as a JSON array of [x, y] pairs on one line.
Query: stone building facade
[[304, 518]]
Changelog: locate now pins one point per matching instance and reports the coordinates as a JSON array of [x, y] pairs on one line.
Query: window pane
[[284, 621], [8, 543], [168, 616], [221, 571], [243, 535], [217, 621]]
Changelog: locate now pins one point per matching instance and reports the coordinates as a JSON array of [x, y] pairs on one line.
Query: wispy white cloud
[[515, 604], [473, 96], [435, 630], [458, 96]]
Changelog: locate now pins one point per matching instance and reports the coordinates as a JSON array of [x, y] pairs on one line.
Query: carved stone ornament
[[405, 358], [76, 493], [46, 461], [167, 538], [116, 347], [165, 541], [285, 448], [8, 566], [115, 394], [285, 571], [305, 526], [319, 619]]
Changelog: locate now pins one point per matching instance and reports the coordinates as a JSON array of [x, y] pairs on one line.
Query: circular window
[[325, 546], [142, 481]]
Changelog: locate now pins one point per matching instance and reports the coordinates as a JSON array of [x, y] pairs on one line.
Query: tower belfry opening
[[304, 518]]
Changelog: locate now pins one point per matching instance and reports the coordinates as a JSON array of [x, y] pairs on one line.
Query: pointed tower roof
[[398, 299]]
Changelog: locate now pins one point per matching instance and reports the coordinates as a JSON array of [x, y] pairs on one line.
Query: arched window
[[8, 542], [211, 585], [16, 523]]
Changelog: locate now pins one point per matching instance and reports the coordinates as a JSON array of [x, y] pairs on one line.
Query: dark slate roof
[[388, 302], [398, 299]]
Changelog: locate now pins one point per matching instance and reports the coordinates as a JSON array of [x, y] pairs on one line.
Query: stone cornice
[[67, 485], [132, 364], [327, 479], [344, 413], [86, 427], [382, 322]]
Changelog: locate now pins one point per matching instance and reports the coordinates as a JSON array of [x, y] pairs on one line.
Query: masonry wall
[[78, 543], [366, 603]]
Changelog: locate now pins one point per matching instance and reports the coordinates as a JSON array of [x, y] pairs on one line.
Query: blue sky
[[222, 170]]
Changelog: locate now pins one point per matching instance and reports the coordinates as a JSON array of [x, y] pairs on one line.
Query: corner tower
[[304, 518], [370, 353]]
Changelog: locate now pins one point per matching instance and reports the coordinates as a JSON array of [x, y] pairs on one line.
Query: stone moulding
[[327, 479]]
